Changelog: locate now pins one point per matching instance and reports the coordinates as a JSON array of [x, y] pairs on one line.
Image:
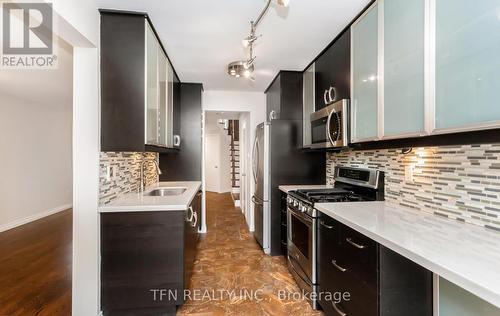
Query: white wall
[[35, 133], [236, 101], [78, 24], [224, 176]]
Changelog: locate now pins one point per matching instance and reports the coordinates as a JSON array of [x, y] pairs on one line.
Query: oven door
[[301, 243]]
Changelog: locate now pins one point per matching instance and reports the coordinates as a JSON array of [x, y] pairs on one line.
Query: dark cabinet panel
[[140, 251], [333, 69], [146, 251], [404, 286], [185, 165], [122, 82], [123, 95], [273, 99], [284, 96], [379, 281]]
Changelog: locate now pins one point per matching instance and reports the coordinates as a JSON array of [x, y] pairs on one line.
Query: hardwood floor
[[35, 267], [230, 260]]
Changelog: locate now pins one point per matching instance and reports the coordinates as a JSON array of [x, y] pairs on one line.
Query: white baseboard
[[33, 218]]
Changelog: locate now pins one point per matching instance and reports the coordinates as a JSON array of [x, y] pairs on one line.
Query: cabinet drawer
[[359, 255]]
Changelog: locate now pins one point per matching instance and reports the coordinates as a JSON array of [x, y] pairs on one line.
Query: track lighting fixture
[[245, 68]]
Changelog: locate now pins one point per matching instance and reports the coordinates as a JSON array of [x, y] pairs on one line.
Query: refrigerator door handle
[[254, 200], [255, 159]]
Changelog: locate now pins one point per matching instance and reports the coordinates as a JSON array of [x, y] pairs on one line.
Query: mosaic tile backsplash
[[458, 182], [128, 173]]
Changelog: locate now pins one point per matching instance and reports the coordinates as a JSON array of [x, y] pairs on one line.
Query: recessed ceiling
[[201, 37]]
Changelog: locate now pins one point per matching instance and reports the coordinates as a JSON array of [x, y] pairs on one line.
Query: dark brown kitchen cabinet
[[333, 72], [138, 86], [143, 253], [185, 164], [380, 282], [284, 97]]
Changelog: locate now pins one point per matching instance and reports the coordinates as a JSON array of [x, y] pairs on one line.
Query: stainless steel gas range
[[351, 185]]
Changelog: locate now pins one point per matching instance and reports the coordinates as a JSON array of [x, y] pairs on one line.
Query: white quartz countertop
[[137, 202], [286, 188], [465, 254]]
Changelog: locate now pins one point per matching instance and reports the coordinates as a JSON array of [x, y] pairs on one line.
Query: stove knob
[[295, 203], [304, 208]]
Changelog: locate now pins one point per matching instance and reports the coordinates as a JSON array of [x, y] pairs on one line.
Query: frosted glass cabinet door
[[152, 87], [364, 76], [170, 105], [162, 97], [467, 63], [404, 30]]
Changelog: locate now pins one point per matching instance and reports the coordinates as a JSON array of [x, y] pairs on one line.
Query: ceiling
[[201, 37]]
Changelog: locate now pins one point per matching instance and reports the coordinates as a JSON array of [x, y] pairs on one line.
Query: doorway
[[225, 155], [212, 163]]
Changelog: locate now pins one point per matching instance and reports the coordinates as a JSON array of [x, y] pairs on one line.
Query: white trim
[[353, 105], [35, 217], [467, 128], [146, 28], [380, 71], [404, 135], [430, 66], [435, 294]]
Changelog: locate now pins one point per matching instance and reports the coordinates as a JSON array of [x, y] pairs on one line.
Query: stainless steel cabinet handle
[[193, 224], [190, 217], [177, 140], [338, 310], [355, 244], [325, 97], [324, 225], [334, 262]]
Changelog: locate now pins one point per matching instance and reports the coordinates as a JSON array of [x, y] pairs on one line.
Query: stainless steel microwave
[[329, 126]]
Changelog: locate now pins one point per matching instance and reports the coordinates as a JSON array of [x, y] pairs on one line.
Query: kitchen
[[366, 176]]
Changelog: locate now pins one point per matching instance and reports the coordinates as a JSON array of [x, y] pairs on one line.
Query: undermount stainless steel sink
[[167, 191]]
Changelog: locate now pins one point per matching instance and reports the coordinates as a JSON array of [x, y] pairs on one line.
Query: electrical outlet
[[409, 170], [114, 172], [108, 173]]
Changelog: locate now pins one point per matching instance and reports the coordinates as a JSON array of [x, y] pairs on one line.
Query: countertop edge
[[151, 208], [466, 283]]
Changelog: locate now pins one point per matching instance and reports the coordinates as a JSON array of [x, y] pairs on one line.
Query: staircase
[[234, 153]]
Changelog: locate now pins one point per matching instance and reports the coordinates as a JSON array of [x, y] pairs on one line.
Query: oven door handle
[[303, 218]]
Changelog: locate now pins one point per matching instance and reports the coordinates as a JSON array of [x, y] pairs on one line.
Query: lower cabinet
[[284, 223], [358, 276], [147, 260]]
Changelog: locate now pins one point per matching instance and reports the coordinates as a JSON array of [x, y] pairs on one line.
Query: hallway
[[233, 276]]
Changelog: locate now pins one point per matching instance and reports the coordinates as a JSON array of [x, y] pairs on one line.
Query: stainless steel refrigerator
[[260, 198], [279, 160]]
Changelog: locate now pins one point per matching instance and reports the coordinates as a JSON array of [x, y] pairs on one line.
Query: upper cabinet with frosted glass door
[[159, 103], [137, 86], [388, 71], [467, 65], [423, 67], [364, 76], [402, 102]]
